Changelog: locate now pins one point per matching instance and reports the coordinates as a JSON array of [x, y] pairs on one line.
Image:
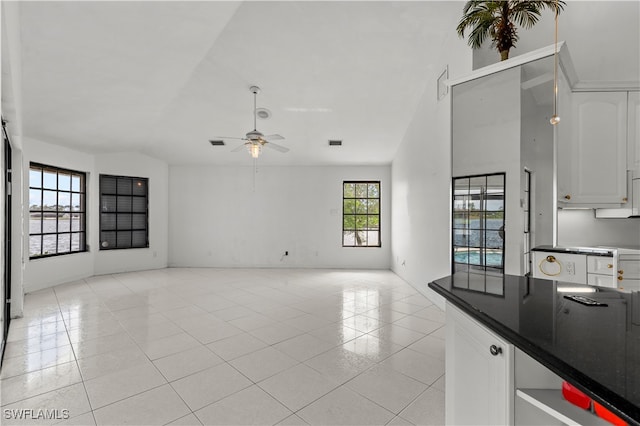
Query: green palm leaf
[[498, 19]]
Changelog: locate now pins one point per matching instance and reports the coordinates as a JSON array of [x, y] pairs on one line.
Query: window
[[57, 213], [361, 214], [478, 222], [124, 212]]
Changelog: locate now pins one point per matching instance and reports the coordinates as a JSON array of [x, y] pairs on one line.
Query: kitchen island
[[512, 340]]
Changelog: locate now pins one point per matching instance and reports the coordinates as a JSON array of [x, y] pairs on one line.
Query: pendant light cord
[[555, 119]]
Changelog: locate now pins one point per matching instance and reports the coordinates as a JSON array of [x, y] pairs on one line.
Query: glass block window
[[361, 214], [57, 211], [124, 212], [478, 222]]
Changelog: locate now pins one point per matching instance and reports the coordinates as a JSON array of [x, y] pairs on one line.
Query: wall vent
[[335, 142], [216, 142]]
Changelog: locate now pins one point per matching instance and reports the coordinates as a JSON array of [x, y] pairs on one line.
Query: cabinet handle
[[625, 199], [610, 266], [495, 350], [621, 272], [620, 278], [567, 197]]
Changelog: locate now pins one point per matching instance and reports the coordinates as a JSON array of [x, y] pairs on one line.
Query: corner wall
[[47, 272], [421, 176], [154, 257], [50, 271], [222, 217]]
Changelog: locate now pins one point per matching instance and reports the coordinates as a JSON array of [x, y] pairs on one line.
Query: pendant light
[[555, 118]]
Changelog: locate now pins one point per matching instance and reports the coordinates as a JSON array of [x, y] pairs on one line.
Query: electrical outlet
[[571, 268]]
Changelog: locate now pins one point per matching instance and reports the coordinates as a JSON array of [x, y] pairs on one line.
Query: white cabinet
[[479, 373], [633, 144], [600, 265], [592, 169], [629, 271], [600, 271]]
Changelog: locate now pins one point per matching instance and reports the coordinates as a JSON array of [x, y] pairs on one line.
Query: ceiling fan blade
[[239, 148], [227, 137], [275, 137], [277, 147]]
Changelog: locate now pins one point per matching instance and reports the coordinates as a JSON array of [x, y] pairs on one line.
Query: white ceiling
[[163, 78]]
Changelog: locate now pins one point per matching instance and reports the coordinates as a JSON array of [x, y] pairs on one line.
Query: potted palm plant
[[498, 20]]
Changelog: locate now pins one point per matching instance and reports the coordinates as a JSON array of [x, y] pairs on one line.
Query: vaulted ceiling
[[165, 77], [162, 78]]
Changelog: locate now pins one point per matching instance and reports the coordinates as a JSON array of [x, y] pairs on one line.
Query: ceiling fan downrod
[[255, 90]]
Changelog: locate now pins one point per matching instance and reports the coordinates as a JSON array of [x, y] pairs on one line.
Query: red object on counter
[[575, 396], [607, 415]]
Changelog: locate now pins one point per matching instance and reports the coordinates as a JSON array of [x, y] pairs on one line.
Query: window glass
[[53, 193], [361, 214], [124, 214]]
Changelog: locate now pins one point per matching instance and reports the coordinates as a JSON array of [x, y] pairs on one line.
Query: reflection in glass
[[478, 222], [474, 278]]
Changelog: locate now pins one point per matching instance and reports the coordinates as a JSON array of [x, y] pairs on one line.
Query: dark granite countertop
[[596, 348]]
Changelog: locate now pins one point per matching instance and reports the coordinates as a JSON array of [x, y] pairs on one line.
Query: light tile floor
[[227, 346]]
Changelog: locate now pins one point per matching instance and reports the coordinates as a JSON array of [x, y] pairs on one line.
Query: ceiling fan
[[255, 140]]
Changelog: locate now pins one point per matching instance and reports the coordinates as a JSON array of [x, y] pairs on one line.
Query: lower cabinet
[[490, 382], [479, 379], [629, 272]]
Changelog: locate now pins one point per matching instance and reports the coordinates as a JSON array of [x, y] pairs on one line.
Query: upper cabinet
[[592, 159], [633, 153]]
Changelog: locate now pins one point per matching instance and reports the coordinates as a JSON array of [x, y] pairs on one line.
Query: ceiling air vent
[[263, 113], [335, 142], [216, 142]]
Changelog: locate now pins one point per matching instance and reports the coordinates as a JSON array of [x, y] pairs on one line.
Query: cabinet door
[[602, 280], [629, 285], [629, 268], [598, 151], [479, 383], [603, 265], [633, 144]]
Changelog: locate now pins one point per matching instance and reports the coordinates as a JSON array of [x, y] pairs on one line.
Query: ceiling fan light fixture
[[254, 149]]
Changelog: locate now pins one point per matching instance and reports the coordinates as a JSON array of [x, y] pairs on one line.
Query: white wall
[[220, 217], [537, 155], [154, 257], [421, 176], [47, 272], [618, 54], [601, 232]]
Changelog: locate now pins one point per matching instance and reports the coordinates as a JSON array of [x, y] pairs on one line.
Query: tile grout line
[[75, 357]]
